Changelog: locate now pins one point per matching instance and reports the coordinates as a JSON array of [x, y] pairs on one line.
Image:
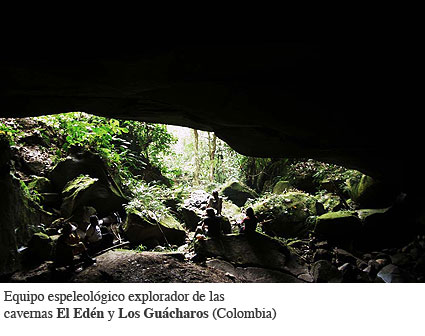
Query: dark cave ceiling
[[346, 103]]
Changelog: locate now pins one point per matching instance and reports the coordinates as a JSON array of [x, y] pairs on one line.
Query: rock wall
[[19, 218]]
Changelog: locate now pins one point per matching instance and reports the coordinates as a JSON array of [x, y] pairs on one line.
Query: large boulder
[[382, 228], [144, 227], [193, 209], [340, 228], [84, 163], [238, 193], [245, 250], [371, 193], [281, 187], [394, 274], [286, 215], [87, 191], [191, 216]]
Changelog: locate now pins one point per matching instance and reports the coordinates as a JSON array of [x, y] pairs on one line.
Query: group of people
[[210, 225], [97, 236], [71, 244]]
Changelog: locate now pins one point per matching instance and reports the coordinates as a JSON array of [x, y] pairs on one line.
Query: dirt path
[[129, 266]]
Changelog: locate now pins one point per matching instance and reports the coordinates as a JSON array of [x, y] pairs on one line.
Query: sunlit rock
[[285, 215], [245, 250], [238, 193], [144, 227]]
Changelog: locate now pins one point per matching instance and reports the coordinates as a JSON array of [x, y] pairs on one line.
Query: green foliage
[[228, 163], [31, 194], [152, 141], [127, 146], [147, 196], [321, 171], [141, 248], [151, 197], [262, 174], [78, 129], [79, 183], [180, 162], [9, 131]]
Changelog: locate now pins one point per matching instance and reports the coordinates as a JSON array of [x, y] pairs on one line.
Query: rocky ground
[[305, 261], [129, 266]]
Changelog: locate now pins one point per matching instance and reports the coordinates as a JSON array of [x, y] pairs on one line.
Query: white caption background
[[304, 309]]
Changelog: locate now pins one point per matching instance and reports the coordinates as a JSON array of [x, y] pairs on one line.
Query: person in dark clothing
[[249, 223], [212, 223], [210, 226], [69, 245]]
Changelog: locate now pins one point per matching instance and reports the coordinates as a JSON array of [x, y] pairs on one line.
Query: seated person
[[94, 235], [249, 223], [69, 245], [215, 202], [210, 226], [98, 237]]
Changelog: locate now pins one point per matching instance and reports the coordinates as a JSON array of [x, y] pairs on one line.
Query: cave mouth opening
[[131, 174]]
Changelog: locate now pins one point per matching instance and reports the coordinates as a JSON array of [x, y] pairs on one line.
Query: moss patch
[[286, 215]]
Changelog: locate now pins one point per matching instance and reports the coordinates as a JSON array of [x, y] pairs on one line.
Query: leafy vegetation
[[9, 132], [177, 159]]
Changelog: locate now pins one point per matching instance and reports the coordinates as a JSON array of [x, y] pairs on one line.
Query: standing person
[[249, 223], [215, 202]]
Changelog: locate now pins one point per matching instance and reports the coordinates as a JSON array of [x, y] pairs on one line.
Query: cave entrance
[[150, 185]]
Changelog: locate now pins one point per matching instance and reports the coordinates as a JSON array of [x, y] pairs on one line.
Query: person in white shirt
[[94, 234], [215, 202]]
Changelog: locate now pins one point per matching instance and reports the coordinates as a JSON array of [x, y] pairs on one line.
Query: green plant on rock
[[31, 194], [9, 131], [141, 248], [147, 197]]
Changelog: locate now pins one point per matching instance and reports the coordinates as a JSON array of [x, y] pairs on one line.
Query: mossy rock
[[238, 193], [341, 227], [143, 227], [281, 187], [20, 217], [331, 202], [286, 215], [232, 211], [87, 191], [40, 184], [85, 163], [191, 216], [370, 193]]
